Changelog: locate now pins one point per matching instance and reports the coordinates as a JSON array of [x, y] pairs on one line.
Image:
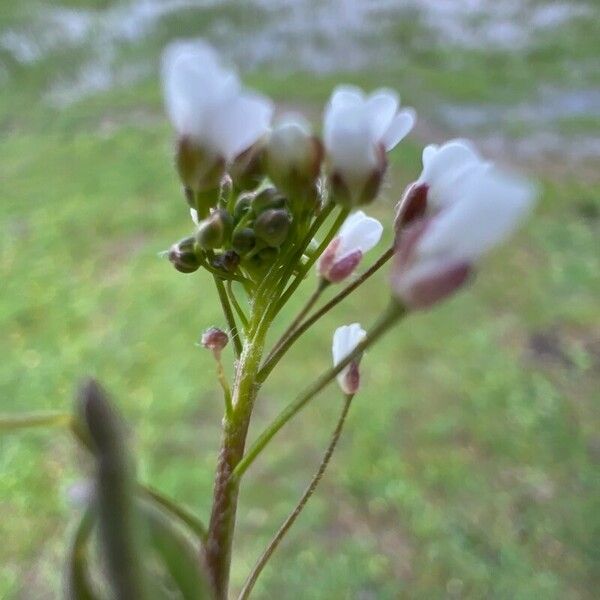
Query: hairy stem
[[308, 492], [280, 349], [226, 489], [237, 342], [393, 314]]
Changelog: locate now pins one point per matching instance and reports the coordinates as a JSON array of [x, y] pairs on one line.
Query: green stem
[[236, 305], [224, 385], [308, 492], [13, 422], [292, 255], [309, 263], [237, 342], [393, 313], [323, 283], [279, 351], [226, 489]]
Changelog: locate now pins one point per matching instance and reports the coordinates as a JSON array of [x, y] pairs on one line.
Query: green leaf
[[78, 583], [180, 557]]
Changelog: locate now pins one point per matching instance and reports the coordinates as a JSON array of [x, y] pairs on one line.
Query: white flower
[[206, 103], [447, 170], [357, 235], [345, 340], [359, 129], [478, 208]]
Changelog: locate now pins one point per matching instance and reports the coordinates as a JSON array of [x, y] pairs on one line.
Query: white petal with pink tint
[[345, 340], [359, 232]]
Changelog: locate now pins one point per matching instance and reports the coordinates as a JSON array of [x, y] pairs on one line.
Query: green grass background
[[469, 465]]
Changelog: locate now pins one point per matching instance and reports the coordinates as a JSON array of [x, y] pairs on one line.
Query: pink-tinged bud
[[350, 382], [345, 340], [214, 339], [344, 267], [358, 235], [419, 283], [412, 206]]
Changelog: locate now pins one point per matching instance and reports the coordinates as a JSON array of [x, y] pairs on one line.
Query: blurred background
[[468, 468]]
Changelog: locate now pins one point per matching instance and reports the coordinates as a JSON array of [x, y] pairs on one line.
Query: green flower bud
[[269, 198], [227, 261], [243, 240], [272, 226], [183, 255], [293, 155], [242, 206], [215, 230], [247, 170]]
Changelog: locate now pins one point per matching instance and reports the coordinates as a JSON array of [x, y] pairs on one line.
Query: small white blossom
[[357, 235], [206, 102], [358, 130], [345, 340], [478, 207]]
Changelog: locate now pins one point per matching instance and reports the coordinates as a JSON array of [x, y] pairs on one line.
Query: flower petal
[[381, 107], [491, 209], [447, 171], [399, 128], [345, 340], [359, 232], [236, 125], [194, 81]]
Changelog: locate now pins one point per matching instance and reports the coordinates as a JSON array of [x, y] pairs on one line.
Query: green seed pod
[[183, 255], [215, 230], [269, 198], [243, 240], [272, 226]]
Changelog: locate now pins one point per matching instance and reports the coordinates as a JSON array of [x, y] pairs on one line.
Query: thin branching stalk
[[389, 318], [314, 297], [236, 305], [308, 492], [225, 304], [279, 351], [309, 263]]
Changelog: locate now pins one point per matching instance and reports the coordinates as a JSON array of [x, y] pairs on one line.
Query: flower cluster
[[255, 188]]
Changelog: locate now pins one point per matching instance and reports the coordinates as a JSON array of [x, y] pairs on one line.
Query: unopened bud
[[214, 339], [272, 226], [268, 198], [227, 261], [183, 255], [242, 206], [412, 206], [247, 169], [293, 155], [214, 230], [198, 168], [243, 240]]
